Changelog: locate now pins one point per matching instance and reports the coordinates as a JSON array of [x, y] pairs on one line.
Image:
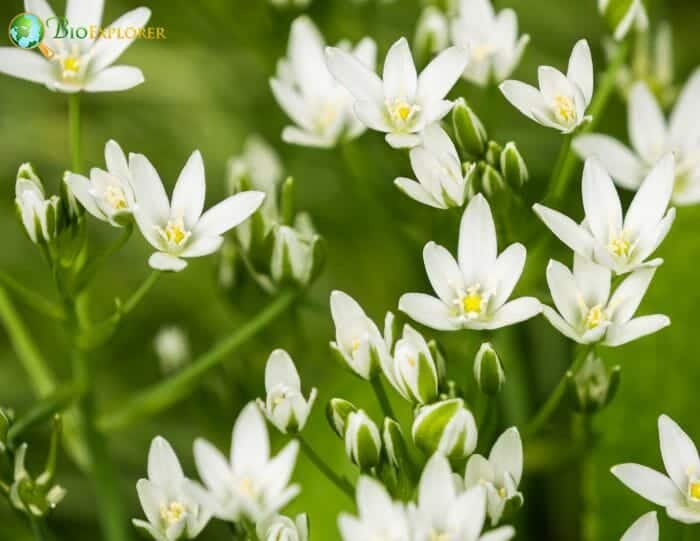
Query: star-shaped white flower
[[679, 490], [588, 313], [620, 244], [561, 100], [472, 293], [177, 228], [491, 38], [79, 64], [321, 108], [252, 484], [168, 498], [652, 137], [645, 528], [402, 103]]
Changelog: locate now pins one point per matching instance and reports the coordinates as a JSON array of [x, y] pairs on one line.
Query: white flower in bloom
[[679, 491], [436, 164], [472, 294], [285, 405], [588, 313], [172, 347], [402, 103], [252, 484], [500, 474], [561, 100], [652, 138], [39, 215], [620, 244], [443, 513], [645, 528], [320, 107], [168, 498], [177, 228], [281, 528], [357, 339], [107, 195], [379, 517], [492, 40], [78, 64]]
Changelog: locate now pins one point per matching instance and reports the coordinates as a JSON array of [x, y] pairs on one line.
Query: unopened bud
[[447, 427], [593, 387], [363, 443], [470, 132], [513, 167], [337, 413], [488, 370]]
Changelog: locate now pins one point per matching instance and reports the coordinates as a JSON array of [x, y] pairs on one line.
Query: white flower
[[589, 314], [473, 293], [443, 513], [281, 528], [500, 474], [78, 64], [168, 498], [492, 40], [634, 13], [645, 528], [620, 244], [39, 215], [561, 100], [363, 443], [295, 252], [252, 484], [379, 517], [357, 339], [172, 347], [436, 164], [107, 195], [285, 405], [177, 228], [321, 109], [679, 491], [432, 33], [402, 103], [652, 138]]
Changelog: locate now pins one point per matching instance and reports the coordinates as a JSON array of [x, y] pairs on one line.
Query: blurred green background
[[206, 88]]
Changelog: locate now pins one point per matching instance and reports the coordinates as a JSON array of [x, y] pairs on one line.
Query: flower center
[[595, 317], [481, 52], [438, 536], [401, 111], [326, 116], [174, 233], [564, 108], [70, 67], [619, 246], [116, 198], [355, 345], [173, 512], [472, 302], [247, 488]]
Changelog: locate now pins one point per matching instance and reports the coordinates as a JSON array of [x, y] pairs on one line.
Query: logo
[[27, 32]]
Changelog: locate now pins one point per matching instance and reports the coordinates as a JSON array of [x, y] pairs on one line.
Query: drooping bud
[[363, 443], [447, 427], [470, 132], [593, 387], [39, 216], [432, 34], [337, 412], [513, 167], [488, 370], [622, 15]]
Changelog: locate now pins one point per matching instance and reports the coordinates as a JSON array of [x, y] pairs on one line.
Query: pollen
[[116, 198], [620, 246], [694, 490], [175, 233], [595, 317], [173, 512], [471, 303], [564, 108], [402, 111], [70, 66]]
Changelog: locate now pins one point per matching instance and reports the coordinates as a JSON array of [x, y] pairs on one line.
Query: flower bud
[[470, 132], [413, 371], [513, 167], [296, 254], [446, 427], [39, 216], [281, 528], [488, 370], [620, 15], [363, 443], [5, 422], [439, 357], [395, 446], [173, 349], [432, 34], [492, 183], [493, 153], [337, 413], [73, 210], [593, 387]]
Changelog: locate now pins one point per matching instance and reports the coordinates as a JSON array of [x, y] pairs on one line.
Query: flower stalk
[[75, 132], [340, 482]]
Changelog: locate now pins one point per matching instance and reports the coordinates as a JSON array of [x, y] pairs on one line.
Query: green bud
[[470, 132], [395, 447], [447, 427], [513, 167], [337, 413], [492, 183], [493, 153], [439, 357], [363, 443], [488, 370], [287, 201], [621, 15], [26, 172], [593, 387]]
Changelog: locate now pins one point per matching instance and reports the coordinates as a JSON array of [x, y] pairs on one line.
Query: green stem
[[138, 295], [39, 529], [689, 533], [558, 182], [550, 406], [32, 299], [590, 526], [382, 397], [167, 393], [88, 273], [74, 131], [325, 469]]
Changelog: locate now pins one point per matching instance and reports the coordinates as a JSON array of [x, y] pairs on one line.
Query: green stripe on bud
[[447, 427]]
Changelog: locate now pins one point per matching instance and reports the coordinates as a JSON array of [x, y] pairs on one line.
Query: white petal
[[504, 533], [647, 126], [568, 231], [616, 158], [469, 512], [477, 241], [400, 78], [148, 529], [683, 513], [229, 213], [478, 469], [166, 262], [201, 246], [648, 483], [553, 83], [581, 69], [357, 78], [436, 489], [278, 471], [295, 136], [684, 126], [43, 10], [116, 161], [114, 79], [507, 271], [292, 103], [106, 51], [280, 369], [188, 194], [429, 311], [592, 281], [526, 98], [372, 114], [443, 272], [507, 455], [629, 294], [374, 504], [250, 443], [678, 452], [515, 311], [560, 324], [651, 239], [415, 191], [403, 140], [163, 466], [84, 13], [212, 466], [307, 56], [151, 497], [441, 74], [153, 207], [27, 65], [80, 188], [645, 528], [638, 327], [564, 291], [652, 199], [601, 202]]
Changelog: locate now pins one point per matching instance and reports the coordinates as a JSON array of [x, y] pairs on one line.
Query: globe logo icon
[[26, 31]]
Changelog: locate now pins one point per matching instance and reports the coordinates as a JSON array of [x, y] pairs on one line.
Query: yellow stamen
[[411, 361], [116, 198], [403, 111], [694, 490], [173, 512], [246, 487], [565, 109], [471, 303], [620, 246], [595, 317], [502, 492], [175, 232], [70, 66], [356, 345], [437, 536]]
